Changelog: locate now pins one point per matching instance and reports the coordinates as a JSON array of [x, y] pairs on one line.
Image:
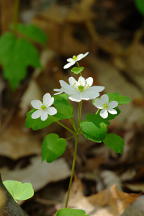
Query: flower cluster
[[77, 90]]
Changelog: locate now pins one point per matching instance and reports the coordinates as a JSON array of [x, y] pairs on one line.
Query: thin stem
[[73, 124], [72, 171], [64, 126], [97, 111], [79, 114]]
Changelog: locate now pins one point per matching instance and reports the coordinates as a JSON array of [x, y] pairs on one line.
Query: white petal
[[48, 100], [98, 103], [90, 93], [105, 99], [104, 113], [81, 81], [89, 81], [70, 60], [59, 91], [76, 97], [97, 88], [112, 111], [113, 104], [69, 64], [67, 88], [51, 110], [36, 104], [36, 114], [44, 115], [81, 56], [72, 81]]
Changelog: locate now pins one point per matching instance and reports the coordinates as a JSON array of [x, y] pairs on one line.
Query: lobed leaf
[[19, 190], [77, 70], [33, 32], [71, 212], [16, 54], [114, 142], [93, 132], [119, 98], [53, 147]]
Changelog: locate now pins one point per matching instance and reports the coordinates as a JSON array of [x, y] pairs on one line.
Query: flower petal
[[70, 60], [104, 113], [81, 56], [69, 64], [44, 115], [48, 100], [105, 98], [59, 91], [72, 81], [113, 104], [81, 81], [76, 97], [90, 93], [98, 103], [112, 111], [36, 114], [89, 81], [67, 88], [36, 104], [52, 111]]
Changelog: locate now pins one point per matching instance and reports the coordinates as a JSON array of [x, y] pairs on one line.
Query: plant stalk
[[72, 171]]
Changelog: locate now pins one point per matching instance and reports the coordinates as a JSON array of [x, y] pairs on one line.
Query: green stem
[[64, 126], [74, 154], [72, 171], [79, 114]]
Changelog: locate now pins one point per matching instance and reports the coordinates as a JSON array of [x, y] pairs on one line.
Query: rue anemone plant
[[94, 126]]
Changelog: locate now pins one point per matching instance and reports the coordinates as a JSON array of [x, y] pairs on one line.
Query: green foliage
[[93, 132], [114, 142], [71, 212], [64, 111], [140, 6], [32, 32], [19, 190], [97, 119], [119, 98], [53, 147], [16, 54], [77, 70]]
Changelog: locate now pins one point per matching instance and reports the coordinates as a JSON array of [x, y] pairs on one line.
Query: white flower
[[43, 108], [79, 90], [105, 106], [74, 59]]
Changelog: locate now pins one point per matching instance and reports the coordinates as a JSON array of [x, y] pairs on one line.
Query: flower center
[[81, 88], [105, 106], [74, 58], [43, 107]]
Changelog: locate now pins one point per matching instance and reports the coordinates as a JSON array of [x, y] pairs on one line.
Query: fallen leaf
[[38, 173]]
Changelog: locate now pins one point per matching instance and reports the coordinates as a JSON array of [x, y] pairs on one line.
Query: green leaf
[[32, 32], [119, 98], [64, 111], [114, 142], [93, 132], [71, 212], [19, 190], [53, 147], [77, 70], [97, 119], [140, 6], [16, 54]]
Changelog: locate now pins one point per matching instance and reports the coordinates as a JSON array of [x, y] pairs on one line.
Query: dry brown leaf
[[38, 173], [109, 202], [16, 141]]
